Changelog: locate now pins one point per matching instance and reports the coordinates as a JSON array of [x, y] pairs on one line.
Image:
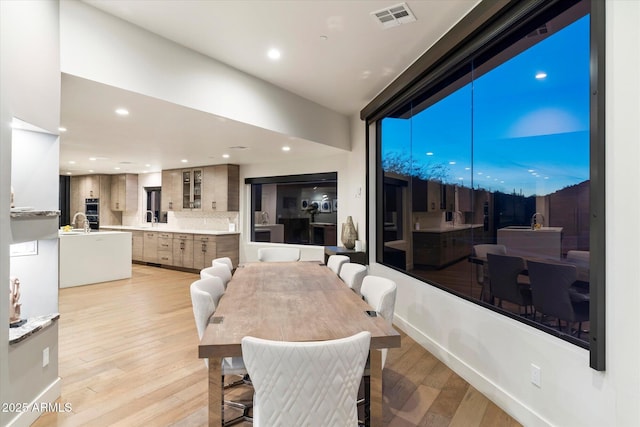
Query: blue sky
[[508, 130]]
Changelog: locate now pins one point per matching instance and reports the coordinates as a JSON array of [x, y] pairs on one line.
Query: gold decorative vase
[[349, 234]]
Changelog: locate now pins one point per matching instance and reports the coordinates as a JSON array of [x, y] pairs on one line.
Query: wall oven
[[92, 210]]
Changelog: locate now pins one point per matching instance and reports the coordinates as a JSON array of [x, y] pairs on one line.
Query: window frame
[[486, 28]]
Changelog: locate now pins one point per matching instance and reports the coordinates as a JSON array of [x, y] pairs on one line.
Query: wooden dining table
[[290, 301]]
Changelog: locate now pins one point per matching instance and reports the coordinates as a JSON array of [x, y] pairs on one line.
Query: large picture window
[[485, 174]]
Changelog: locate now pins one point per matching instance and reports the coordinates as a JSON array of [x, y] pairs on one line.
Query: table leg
[[375, 384], [215, 392]]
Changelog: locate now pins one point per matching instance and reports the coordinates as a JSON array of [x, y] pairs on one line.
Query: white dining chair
[[219, 270], [380, 294], [223, 260], [335, 262], [311, 384], [279, 254], [352, 274], [205, 295]]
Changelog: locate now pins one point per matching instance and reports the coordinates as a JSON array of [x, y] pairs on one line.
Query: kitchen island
[[543, 242], [438, 247], [94, 257]]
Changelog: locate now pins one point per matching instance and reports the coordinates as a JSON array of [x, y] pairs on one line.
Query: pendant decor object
[[349, 234]]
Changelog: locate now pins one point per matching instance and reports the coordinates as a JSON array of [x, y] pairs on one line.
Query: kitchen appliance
[[92, 210]]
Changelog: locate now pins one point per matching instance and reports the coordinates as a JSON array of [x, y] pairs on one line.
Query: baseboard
[[512, 406], [48, 395]]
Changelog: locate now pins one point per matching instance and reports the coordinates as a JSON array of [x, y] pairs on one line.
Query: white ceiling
[[343, 72]]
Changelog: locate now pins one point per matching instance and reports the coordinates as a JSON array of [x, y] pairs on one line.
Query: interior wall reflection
[[498, 156]]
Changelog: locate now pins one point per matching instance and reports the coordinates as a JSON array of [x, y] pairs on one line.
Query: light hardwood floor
[[128, 357]]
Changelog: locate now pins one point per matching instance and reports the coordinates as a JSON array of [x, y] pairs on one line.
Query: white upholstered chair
[[219, 270], [311, 384], [335, 262], [380, 294], [279, 254], [223, 260], [352, 274], [205, 295]]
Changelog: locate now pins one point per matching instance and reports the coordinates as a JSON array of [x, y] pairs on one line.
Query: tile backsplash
[[191, 220]]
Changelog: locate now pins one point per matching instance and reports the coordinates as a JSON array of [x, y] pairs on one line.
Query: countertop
[[165, 229], [520, 229], [448, 228], [83, 234]]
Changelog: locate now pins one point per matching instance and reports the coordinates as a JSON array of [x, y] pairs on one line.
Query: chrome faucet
[[85, 224], [154, 219], [534, 221]]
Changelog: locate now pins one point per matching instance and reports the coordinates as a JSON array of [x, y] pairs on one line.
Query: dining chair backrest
[[504, 271], [279, 254], [550, 285], [313, 384], [578, 256], [352, 274], [380, 294], [335, 262], [481, 251], [205, 295], [218, 270], [223, 260]]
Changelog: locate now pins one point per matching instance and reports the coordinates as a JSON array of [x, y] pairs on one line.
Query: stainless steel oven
[[92, 210]]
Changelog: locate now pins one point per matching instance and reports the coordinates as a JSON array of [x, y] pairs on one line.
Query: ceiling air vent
[[541, 31], [394, 15]]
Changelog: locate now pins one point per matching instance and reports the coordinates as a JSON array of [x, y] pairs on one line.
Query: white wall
[[106, 49], [30, 91], [494, 353]]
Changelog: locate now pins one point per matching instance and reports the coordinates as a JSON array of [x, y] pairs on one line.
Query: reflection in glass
[[498, 157]]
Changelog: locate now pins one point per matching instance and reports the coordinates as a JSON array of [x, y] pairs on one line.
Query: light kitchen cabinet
[[124, 192], [137, 245], [192, 188], [225, 191], [204, 250], [183, 250], [165, 248], [227, 246], [171, 190], [209, 188], [85, 187], [150, 247]]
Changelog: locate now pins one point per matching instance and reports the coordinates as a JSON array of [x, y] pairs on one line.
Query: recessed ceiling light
[[62, 129], [452, 163], [90, 170], [286, 148], [122, 112], [429, 153], [147, 165], [72, 162], [323, 37], [225, 156], [68, 173], [541, 75], [93, 159], [184, 161], [117, 168], [273, 54]]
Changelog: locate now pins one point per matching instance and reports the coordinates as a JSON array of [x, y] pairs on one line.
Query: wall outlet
[[45, 357], [536, 376]]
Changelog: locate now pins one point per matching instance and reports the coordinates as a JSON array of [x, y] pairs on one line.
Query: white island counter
[[95, 257]]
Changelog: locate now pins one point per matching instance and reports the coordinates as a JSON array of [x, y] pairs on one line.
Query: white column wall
[[493, 352], [30, 91], [100, 47]]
